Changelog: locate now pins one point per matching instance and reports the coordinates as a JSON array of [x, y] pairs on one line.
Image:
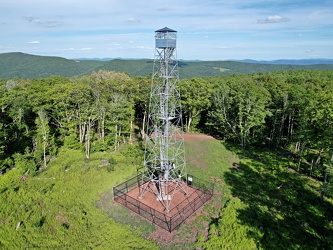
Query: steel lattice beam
[[164, 160]]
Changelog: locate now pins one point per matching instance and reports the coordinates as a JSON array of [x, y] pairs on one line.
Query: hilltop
[[22, 65]]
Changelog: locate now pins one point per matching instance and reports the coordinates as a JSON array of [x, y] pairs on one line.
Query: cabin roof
[[165, 29]]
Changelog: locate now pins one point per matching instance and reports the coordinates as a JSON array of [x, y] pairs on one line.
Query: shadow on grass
[[282, 204]]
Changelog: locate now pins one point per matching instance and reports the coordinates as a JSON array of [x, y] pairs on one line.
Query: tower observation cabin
[[165, 38]]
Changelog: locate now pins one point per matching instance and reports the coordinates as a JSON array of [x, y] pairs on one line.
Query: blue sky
[[207, 30]]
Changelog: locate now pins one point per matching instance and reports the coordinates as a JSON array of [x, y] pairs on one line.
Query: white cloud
[[74, 49], [68, 49], [210, 29], [132, 20], [31, 18], [44, 23], [164, 9], [223, 47], [34, 42], [143, 47], [273, 19]]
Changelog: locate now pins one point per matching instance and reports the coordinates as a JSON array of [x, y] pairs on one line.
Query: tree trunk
[[280, 131], [103, 129], [44, 153], [325, 177], [87, 141], [297, 146], [116, 138], [82, 131], [311, 168], [243, 142], [131, 129], [44, 129], [300, 156], [319, 157], [101, 126], [143, 126], [290, 126], [189, 124], [119, 134]]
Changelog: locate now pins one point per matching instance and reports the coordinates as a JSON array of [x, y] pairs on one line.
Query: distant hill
[[292, 62], [31, 66], [22, 65]]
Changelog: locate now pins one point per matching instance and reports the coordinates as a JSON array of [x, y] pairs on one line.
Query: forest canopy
[[289, 112]]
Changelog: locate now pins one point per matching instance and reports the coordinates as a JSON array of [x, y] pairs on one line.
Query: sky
[[206, 30]]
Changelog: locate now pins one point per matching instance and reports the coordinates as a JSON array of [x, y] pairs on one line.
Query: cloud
[[74, 49], [31, 18], [50, 24], [132, 20], [163, 9], [34, 42], [273, 19], [45, 24], [224, 47], [227, 47], [143, 47], [68, 49]]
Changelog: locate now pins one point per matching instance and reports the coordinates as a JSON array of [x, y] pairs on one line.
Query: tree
[[43, 133], [115, 94], [17, 116], [142, 101], [195, 99], [327, 186], [241, 106]]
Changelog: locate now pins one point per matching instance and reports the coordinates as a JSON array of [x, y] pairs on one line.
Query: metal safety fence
[[203, 192]]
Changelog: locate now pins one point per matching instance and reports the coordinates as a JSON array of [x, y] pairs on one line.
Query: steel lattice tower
[[164, 160]]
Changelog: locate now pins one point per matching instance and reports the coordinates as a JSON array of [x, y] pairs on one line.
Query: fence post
[[125, 200], [138, 180]]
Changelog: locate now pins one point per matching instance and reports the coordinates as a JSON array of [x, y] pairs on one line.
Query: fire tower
[[164, 167]]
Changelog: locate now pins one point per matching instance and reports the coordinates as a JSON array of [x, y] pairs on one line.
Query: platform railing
[[203, 192]]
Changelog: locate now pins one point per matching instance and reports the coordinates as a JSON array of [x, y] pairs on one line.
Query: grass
[[69, 204], [275, 207], [57, 208], [208, 160], [283, 209]]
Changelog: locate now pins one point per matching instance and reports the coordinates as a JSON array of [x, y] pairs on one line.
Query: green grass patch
[[57, 208], [263, 204]]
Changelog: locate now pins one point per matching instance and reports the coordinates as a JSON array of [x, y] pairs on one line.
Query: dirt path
[[201, 137]]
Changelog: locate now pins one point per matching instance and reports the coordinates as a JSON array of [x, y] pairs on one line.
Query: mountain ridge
[[309, 61], [21, 65]]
